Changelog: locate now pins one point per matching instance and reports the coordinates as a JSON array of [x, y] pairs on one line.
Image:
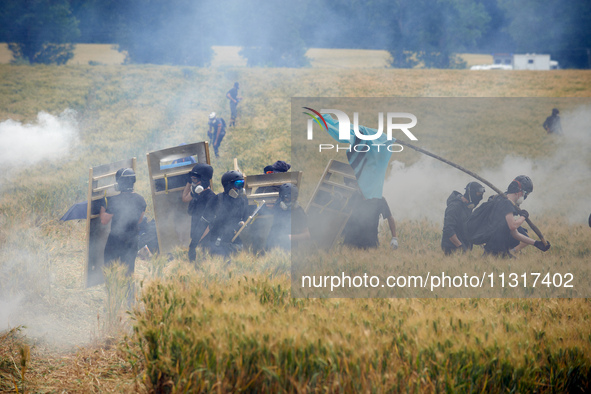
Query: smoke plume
[[561, 182], [49, 138]]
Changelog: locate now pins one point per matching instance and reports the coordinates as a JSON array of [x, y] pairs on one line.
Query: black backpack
[[479, 227]]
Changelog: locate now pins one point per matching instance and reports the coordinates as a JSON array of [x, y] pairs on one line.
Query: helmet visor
[[239, 184]]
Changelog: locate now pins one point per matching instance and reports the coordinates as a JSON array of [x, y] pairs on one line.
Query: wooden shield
[[264, 187], [101, 184], [168, 169], [329, 208]]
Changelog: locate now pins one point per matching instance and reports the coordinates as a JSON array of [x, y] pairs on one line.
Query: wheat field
[[237, 328]]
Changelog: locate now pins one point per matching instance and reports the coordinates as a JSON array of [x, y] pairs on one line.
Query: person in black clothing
[[224, 215], [459, 208], [506, 220], [361, 230], [216, 132], [552, 124], [232, 95], [290, 223], [125, 211], [197, 193]]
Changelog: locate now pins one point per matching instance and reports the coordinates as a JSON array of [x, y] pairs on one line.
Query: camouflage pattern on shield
[[168, 169], [329, 208], [258, 188], [101, 184]]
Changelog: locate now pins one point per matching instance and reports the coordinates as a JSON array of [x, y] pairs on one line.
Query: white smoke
[[49, 138], [562, 182]]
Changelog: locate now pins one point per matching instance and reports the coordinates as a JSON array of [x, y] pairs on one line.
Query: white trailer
[[531, 62]]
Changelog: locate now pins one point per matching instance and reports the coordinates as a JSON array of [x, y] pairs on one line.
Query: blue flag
[[370, 167]]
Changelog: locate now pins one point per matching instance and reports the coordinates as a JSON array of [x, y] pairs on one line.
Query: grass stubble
[[237, 328]]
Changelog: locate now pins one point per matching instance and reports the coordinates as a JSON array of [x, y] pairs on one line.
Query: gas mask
[[285, 206], [235, 193], [519, 200], [196, 189]]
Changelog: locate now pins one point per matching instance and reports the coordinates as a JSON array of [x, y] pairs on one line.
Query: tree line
[[278, 33]]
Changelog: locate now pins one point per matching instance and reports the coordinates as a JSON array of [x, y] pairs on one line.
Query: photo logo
[[375, 138]]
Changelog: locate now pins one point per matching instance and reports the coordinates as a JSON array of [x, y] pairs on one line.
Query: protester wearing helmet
[[216, 132], [197, 193], [459, 208], [224, 215], [506, 219], [125, 212], [290, 223]]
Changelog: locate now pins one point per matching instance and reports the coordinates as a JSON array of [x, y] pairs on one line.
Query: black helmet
[[125, 178], [229, 178], [521, 183], [555, 111], [202, 170], [474, 192], [288, 192]]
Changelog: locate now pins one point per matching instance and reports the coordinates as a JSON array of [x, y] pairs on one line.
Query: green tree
[[176, 32], [271, 33], [429, 31], [562, 29], [39, 31]]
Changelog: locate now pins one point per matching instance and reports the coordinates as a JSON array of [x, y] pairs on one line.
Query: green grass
[[237, 327]]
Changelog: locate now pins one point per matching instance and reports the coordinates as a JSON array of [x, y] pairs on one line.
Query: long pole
[[481, 179]]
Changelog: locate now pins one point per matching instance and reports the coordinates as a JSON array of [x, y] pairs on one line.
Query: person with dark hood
[[232, 95], [197, 193], [223, 216], [506, 218], [290, 223], [125, 212], [278, 166], [361, 230], [216, 132], [552, 124], [459, 208]]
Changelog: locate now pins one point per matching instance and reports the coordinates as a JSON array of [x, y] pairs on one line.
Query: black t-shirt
[[361, 229], [126, 208], [501, 238], [233, 93], [286, 222], [454, 222], [199, 202], [223, 213]]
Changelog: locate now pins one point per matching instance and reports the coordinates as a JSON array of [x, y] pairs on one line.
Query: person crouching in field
[[290, 223], [125, 211], [197, 193], [223, 216], [506, 219], [459, 208]]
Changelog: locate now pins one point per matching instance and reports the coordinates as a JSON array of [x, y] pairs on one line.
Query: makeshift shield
[[264, 187], [329, 208], [168, 170], [101, 185]]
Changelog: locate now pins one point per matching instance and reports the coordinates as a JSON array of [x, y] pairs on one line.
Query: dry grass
[[128, 111]]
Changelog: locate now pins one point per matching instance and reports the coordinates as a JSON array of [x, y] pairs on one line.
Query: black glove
[[540, 245], [524, 213]]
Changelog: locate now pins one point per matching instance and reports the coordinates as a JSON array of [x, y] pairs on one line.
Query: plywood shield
[[264, 187], [168, 169], [329, 208], [101, 184]]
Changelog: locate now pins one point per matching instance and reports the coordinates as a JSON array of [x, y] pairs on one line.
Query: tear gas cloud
[[561, 182], [49, 138]]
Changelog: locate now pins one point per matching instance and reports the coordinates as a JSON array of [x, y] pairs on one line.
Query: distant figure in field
[[125, 211], [552, 124], [232, 95], [216, 132]]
